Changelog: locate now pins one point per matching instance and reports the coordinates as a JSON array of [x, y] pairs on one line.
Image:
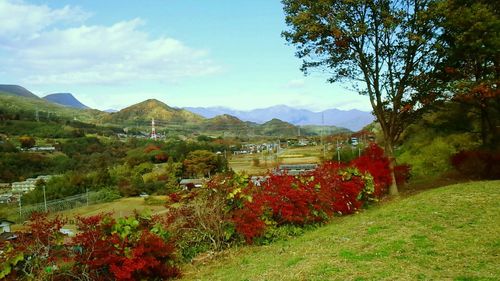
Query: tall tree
[[470, 69], [384, 48], [200, 163]]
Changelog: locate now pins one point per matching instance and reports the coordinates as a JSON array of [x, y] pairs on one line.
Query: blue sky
[[111, 54]]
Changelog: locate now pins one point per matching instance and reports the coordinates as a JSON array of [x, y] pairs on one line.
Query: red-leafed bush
[[127, 249], [480, 164], [150, 148], [374, 161], [134, 248], [34, 251], [299, 200], [402, 174]]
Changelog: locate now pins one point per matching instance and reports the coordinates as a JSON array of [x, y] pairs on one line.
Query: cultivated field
[[295, 155]]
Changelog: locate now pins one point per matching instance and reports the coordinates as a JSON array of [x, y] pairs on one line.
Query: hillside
[[65, 99], [17, 90], [226, 122], [449, 233], [277, 127], [144, 111], [27, 108]]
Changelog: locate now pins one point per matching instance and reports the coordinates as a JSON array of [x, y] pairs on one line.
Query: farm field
[[295, 155], [439, 234], [120, 208]]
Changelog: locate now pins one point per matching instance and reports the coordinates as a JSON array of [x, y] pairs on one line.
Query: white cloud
[[21, 21], [295, 84], [41, 47]]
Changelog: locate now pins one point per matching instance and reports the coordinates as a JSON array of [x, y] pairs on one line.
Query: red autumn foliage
[[150, 148], [479, 164], [402, 174], [41, 246], [161, 157], [374, 161], [104, 253], [103, 249], [284, 199], [315, 197]]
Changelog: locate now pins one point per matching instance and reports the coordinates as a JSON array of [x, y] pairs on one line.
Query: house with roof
[[187, 184], [5, 225]]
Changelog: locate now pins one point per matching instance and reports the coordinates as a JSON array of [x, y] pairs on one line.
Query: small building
[[43, 148], [6, 198], [29, 184], [191, 183], [5, 225], [295, 169], [23, 186]]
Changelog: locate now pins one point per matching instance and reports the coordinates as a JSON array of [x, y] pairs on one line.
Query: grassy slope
[[450, 233], [14, 104]]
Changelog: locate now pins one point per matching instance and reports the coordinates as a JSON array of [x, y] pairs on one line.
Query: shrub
[[302, 200], [134, 248], [402, 174], [374, 162], [478, 164], [429, 154], [35, 251], [200, 220]]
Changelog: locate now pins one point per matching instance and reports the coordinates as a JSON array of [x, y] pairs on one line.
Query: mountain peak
[[17, 90], [153, 108], [66, 99]]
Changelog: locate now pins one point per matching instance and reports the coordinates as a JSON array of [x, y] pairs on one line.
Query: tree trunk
[[389, 151]]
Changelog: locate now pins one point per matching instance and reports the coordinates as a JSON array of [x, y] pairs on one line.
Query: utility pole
[[20, 208], [36, 115], [338, 151], [322, 132], [44, 199]]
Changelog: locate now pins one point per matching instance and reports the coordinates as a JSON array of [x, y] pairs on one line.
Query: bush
[[429, 155], [477, 164], [374, 162], [302, 200], [104, 195], [133, 248], [200, 220]]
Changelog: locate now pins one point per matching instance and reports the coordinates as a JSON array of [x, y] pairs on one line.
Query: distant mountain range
[[65, 99], [273, 121], [19, 103], [353, 119]]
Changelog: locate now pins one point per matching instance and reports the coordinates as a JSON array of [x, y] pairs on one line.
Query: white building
[[28, 185]]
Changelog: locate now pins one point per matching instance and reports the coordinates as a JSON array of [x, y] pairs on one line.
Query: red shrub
[[40, 247], [374, 162], [402, 174], [283, 199], [127, 251], [477, 163], [150, 148]]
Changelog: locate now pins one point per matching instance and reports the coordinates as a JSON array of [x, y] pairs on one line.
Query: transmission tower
[[153, 130]]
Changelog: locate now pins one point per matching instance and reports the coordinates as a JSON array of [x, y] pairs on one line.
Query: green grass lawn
[[449, 233]]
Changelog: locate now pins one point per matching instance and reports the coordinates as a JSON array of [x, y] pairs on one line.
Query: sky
[[111, 54]]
